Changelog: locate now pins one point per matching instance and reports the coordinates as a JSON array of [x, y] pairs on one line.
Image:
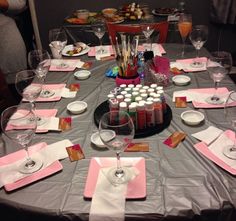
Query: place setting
[[31, 163]]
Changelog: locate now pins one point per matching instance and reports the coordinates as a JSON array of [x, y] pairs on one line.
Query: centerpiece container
[[127, 61]]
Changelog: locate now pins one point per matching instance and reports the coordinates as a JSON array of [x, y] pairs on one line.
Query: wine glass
[[28, 85], [40, 61], [19, 123], [99, 30], [198, 36], [116, 130], [184, 26], [218, 66], [147, 30], [230, 116], [58, 41]]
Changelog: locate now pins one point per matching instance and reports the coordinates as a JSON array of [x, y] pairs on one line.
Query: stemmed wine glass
[[184, 26], [19, 123], [99, 30], [230, 116], [218, 66], [40, 61], [58, 41], [116, 130], [147, 30], [198, 36]]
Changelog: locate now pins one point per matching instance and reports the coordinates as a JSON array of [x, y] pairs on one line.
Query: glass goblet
[[218, 66], [40, 61], [99, 30], [19, 123], [198, 36], [116, 130], [147, 30], [58, 41], [185, 27], [230, 116]]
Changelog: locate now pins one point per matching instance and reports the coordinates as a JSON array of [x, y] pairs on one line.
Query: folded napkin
[[67, 93], [208, 135], [71, 64], [185, 64], [214, 152], [182, 93], [156, 48], [108, 202], [47, 153]]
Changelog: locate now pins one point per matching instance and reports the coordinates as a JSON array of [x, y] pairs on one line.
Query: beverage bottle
[[150, 117], [158, 112], [141, 116]]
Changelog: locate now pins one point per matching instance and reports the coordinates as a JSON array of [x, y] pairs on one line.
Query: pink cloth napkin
[[55, 87], [210, 91], [13, 157], [185, 63], [203, 148], [92, 51]]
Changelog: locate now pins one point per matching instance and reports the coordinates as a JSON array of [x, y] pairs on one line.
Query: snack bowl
[[82, 74], [181, 80], [109, 12], [192, 117], [82, 14], [96, 140], [77, 107]]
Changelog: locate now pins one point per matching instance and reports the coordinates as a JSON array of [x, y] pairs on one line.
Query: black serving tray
[[104, 107]]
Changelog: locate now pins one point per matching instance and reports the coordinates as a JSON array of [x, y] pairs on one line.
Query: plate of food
[[72, 50], [164, 11]]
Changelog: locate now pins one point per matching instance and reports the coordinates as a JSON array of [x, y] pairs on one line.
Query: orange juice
[[185, 27]]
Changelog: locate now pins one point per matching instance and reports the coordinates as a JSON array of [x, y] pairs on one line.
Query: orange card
[[138, 147], [174, 139], [65, 123], [75, 152], [74, 87], [180, 102]]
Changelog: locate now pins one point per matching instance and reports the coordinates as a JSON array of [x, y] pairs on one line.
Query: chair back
[[160, 27]]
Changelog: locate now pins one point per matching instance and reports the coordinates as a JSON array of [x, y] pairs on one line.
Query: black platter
[[104, 107]]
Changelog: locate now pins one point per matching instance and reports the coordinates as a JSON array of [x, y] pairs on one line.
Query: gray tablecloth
[[181, 183]]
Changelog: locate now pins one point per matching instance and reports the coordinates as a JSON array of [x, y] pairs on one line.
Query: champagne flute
[[40, 61], [230, 116], [218, 66], [184, 26], [116, 130], [58, 40], [99, 30], [19, 123], [198, 36]]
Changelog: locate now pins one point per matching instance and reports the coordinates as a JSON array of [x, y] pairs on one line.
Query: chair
[[160, 27]]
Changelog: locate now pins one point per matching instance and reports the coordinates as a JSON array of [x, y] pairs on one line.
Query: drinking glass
[[99, 29], [116, 130], [147, 30], [40, 61], [218, 66], [198, 36], [58, 40], [19, 123], [230, 116], [185, 27]]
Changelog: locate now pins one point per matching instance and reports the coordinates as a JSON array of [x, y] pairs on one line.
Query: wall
[[51, 14]]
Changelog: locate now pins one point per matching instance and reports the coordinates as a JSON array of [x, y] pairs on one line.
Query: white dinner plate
[[192, 117], [77, 107], [67, 48], [96, 140], [181, 80]]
